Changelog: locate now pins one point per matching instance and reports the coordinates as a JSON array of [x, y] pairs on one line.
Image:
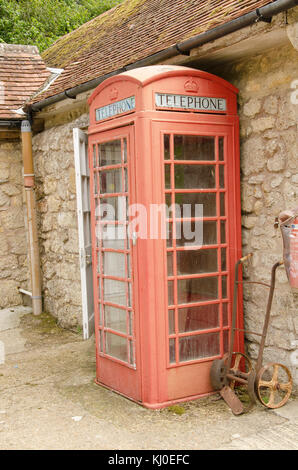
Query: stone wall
[[269, 179], [13, 245], [57, 209]]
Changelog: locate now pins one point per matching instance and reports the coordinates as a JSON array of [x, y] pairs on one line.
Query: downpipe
[[29, 183]]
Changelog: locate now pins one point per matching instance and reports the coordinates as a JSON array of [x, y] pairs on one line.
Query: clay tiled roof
[[132, 31], [22, 72]]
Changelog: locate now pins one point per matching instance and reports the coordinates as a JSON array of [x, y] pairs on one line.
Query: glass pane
[[113, 236], [226, 340], [223, 259], [223, 231], [193, 147], [225, 314], [171, 322], [129, 294], [170, 292], [221, 149], [113, 264], [200, 346], [115, 318], [197, 290], [206, 237], [95, 189], [168, 176], [131, 353], [124, 150], [222, 204], [111, 181], [130, 323], [125, 180], [196, 262], [166, 147], [208, 200], [170, 264], [169, 234], [172, 351], [113, 208], [116, 346], [114, 291], [198, 318], [221, 176], [110, 153], [98, 262], [94, 157], [100, 313], [100, 340], [224, 287], [194, 176]]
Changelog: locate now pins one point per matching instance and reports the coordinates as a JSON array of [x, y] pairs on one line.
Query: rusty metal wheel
[[274, 385], [240, 363], [218, 377]]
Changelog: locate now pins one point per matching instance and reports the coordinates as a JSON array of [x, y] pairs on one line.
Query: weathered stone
[[252, 108], [50, 186], [12, 219], [4, 200], [53, 203], [271, 105], [67, 219], [262, 124], [9, 293], [277, 163], [252, 159], [249, 221], [4, 172], [11, 189]]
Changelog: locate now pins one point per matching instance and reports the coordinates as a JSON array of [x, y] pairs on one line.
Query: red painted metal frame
[[153, 380]]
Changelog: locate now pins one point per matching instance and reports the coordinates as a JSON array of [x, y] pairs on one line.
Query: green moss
[[71, 47], [177, 409]]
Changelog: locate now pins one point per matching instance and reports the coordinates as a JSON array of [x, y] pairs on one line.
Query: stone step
[[11, 340], [10, 317]]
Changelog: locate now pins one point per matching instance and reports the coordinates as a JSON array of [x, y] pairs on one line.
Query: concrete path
[[48, 400]]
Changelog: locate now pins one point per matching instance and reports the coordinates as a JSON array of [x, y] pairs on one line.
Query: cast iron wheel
[[218, 373], [240, 363], [274, 385]]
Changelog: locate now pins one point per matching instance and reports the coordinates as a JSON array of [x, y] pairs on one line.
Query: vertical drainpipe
[[31, 216]]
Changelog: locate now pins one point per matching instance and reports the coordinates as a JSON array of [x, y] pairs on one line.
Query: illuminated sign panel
[[113, 109], [187, 102]]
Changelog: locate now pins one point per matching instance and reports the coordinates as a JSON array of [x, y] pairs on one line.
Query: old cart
[[271, 384]]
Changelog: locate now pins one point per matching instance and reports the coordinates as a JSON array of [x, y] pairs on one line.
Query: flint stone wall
[[13, 245], [269, 184]]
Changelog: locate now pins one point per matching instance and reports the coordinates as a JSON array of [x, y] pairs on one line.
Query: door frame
[[111, 371]]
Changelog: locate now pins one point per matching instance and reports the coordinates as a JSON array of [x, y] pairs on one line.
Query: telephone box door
[[201, 190], [111, 156]]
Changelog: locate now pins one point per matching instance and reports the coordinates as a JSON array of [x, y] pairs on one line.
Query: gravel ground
[[48, 400]]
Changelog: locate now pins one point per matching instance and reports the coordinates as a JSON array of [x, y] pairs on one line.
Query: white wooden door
[[84, 227]]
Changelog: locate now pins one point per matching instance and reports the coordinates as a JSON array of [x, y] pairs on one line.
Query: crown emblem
[[113, 94], [191, 85]]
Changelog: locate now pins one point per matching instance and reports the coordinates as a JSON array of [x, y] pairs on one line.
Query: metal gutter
[[264, 13], [12, 124]]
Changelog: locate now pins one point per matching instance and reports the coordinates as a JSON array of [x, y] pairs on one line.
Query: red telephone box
[[164, 155]]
